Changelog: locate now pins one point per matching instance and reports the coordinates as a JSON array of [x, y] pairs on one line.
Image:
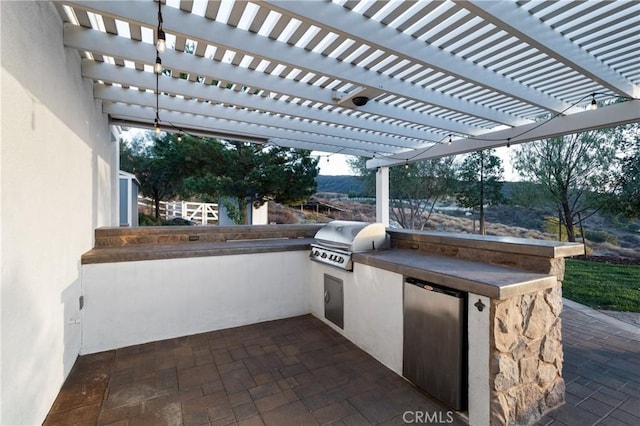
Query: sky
[[337, 164]]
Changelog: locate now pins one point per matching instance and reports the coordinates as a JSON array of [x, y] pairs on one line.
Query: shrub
[[148, 220], [600, 237], [551, 226], [630, 241], [633, 227]]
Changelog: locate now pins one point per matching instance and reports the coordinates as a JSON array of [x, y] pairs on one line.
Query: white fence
[[200, 213]]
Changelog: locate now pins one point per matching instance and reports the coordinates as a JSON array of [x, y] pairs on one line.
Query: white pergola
[[394, 81]]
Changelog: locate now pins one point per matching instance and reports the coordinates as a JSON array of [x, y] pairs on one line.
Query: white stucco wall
[[129, 303], [479, 338], [372, 309], [56, 185]]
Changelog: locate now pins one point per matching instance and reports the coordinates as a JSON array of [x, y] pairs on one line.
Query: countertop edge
[[531, 281], [182, 251], [542, 248]]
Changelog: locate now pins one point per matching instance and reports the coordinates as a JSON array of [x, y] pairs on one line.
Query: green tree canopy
[[255, 174], [480, 182], [628, 186], [570, 170], [157, 164]]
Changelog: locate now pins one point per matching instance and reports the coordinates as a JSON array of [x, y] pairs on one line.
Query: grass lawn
[[602, 285]]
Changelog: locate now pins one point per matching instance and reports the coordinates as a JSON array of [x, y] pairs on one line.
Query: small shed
[[129, 185]]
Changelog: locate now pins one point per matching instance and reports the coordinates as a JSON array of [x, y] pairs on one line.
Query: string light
[[449, 140], [157, 68], [594, 104], [161, 42], [179, 138], [406, 164]]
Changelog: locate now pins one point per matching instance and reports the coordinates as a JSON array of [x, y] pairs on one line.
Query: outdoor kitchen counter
[[496, 282], [194, 249], [123, 244]]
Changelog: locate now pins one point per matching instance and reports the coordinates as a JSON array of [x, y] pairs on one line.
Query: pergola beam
[[610, 116], [226, 122], [273, 126], [386, 134]]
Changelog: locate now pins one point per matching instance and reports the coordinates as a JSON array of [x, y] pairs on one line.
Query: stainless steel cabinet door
[[434, 343], [333, 300]]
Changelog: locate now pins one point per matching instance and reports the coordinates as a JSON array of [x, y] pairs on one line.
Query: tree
[[157, 163], [252, 174], [413, 190], [570, 170], [480, 177], [210, 169], [628, 185]]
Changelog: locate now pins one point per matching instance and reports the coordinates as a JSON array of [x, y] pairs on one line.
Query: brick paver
[[298, 371], [601, 371]]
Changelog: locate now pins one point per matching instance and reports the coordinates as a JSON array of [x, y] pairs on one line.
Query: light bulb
[[161, 43], [406, 165], [157, 68], [156, 126], [449, 139], [594, 105], [179, 138]]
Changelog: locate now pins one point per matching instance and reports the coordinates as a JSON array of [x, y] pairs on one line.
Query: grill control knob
[[316, 253], [324, 255]]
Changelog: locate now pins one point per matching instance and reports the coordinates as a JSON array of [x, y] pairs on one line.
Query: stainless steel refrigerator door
[[333, 300], [434, 343]]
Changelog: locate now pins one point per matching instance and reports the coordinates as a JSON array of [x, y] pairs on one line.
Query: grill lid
[[352, 236]]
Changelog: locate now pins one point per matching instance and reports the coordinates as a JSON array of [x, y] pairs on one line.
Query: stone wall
[[526, 357]]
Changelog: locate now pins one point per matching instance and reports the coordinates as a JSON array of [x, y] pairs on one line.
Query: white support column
[[382, 195]]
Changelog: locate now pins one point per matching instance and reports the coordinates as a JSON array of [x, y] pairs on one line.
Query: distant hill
[[339, 184]]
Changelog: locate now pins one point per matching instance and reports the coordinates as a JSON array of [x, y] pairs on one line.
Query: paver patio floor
[[298, 371], [295, 371]]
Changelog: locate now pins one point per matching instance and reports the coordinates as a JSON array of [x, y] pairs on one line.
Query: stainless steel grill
[[338, 240]]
